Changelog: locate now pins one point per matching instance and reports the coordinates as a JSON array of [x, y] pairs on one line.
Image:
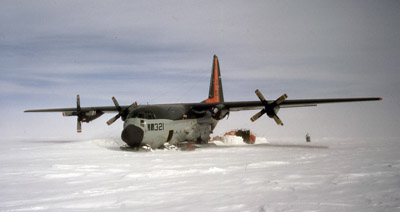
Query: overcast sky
[[161, 52]]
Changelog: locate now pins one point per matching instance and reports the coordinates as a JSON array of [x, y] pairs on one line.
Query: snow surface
[[237, 140], [290, 175]]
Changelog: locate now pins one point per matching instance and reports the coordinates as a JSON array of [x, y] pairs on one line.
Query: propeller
[[79, 114], [123, 113], [79, 126], [85, 115], [271, 109]]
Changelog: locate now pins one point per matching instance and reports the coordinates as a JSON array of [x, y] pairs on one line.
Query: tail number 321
[[155, 127]]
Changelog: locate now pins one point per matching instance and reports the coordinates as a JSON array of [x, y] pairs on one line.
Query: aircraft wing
[[232, 106], [254, 105], [107, 109], [87, 114], [271, 108]]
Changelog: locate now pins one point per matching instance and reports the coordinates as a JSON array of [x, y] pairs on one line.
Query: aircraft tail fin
[[215, 93]]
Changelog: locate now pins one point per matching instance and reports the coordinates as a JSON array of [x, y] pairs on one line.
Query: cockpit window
[[149, 115]]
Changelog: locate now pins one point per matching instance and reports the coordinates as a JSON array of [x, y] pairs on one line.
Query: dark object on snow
[[308, 138], [247, 136]]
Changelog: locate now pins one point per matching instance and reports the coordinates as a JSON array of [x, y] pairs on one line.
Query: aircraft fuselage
[[156, 125]]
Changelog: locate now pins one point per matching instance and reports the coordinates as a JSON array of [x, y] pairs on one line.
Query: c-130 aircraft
[[157, 124]]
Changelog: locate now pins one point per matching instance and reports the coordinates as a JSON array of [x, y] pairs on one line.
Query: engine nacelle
[[219, 112], [91, 115], [69, 113], [85, 116]]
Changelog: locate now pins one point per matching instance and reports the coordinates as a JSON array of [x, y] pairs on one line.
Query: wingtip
[[380, 98]]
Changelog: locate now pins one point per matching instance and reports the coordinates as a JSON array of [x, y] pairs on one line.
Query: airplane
[[157, 124]]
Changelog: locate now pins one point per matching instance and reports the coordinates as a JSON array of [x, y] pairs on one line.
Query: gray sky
[[161, 52]]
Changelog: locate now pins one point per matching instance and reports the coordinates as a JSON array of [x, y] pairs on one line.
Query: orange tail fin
[[215, 93]]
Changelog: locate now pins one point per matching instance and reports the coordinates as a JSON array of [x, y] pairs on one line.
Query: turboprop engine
[[220, 111], [270, 108], [83, 116]]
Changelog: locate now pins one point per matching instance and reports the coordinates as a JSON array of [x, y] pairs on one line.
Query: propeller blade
[[257, 115], [124, 113], [78, 102], [260, 96], [281, 99], [278, 120], [79, 126], [132, 106], [116, 103], [121, 113], [113, 119], [270, 108]]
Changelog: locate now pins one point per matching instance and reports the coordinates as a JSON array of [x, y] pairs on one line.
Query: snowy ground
[[327, 175]]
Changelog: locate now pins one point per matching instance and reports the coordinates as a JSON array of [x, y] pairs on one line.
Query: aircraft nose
[[132, 135]]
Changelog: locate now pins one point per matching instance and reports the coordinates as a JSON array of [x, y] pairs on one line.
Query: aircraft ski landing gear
[[168, 146], [136, 149], [129, 149], [148, 148]]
